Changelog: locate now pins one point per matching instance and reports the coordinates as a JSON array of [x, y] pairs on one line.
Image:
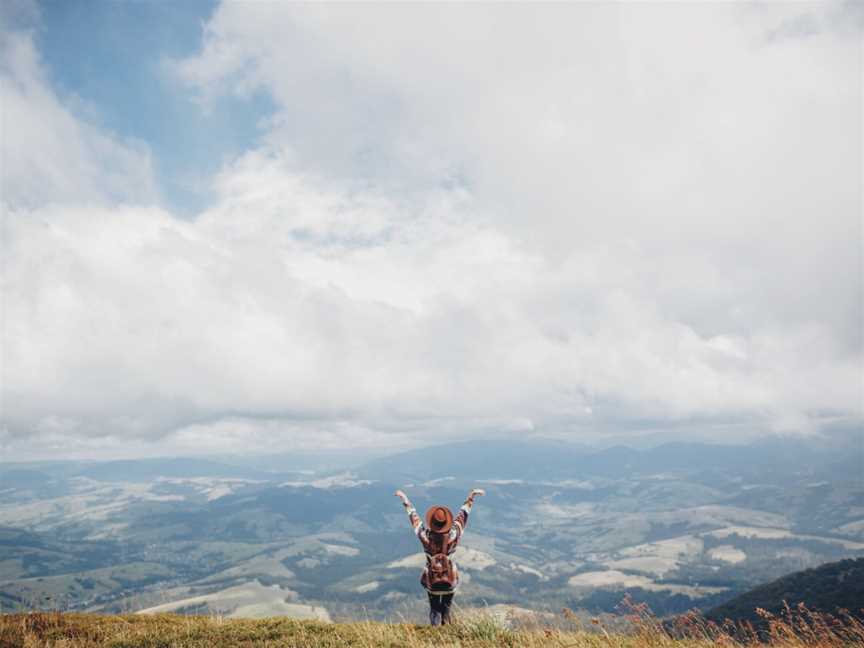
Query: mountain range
[[678, 526]]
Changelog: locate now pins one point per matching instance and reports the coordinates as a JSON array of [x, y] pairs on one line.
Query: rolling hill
[[827, 588]]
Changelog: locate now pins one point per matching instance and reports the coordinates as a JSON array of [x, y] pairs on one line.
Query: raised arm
[[416, 522], [462, 518]]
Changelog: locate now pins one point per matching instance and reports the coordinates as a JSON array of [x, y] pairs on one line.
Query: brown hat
[[439, 519]]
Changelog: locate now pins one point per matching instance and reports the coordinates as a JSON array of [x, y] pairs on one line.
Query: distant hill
[[552, 459], [23, 478], [833, 586], [479, 460]]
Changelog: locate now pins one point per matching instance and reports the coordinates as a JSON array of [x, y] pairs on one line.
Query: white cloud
[[572, 220], [686, 129], [50, 155], [129, 322]]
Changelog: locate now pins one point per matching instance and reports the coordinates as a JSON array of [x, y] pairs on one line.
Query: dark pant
[[439, 608]]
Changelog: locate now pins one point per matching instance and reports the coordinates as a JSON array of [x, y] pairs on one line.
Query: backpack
[[441, 573]]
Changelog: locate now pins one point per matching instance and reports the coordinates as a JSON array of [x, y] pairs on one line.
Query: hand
[[475, 492], [401, 496]]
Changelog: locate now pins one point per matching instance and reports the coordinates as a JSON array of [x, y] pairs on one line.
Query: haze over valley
[[678, 526]]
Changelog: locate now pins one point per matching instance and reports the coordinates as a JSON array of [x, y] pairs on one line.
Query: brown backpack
[[441, 573]]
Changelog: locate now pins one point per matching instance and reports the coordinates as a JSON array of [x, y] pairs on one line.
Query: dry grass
[[797, 628]]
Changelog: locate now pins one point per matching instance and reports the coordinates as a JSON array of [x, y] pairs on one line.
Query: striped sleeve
[[461, 520], [416, 522]]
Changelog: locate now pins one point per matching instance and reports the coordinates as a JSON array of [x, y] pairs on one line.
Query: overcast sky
[[249, 227]]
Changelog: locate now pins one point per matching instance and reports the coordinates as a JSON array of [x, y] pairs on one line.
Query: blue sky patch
[[108, 61]]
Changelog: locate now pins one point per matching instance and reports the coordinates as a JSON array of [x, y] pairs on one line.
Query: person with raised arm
[[439, 534]]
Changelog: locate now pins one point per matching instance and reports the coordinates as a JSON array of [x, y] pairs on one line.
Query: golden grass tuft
[[796, 628]]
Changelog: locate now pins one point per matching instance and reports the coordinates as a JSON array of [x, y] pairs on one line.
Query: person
[[439, 534]]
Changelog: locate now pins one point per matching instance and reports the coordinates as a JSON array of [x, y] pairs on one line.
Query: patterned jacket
[[432, 542]]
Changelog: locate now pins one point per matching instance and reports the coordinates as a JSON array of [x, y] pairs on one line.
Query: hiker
[[439, 536]]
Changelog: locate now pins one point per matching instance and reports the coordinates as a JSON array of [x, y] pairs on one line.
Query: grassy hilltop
[[75, 630]]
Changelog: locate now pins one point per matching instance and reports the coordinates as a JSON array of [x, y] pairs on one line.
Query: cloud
[[576, 127], [49, 154], [306, 308], [571, 220]]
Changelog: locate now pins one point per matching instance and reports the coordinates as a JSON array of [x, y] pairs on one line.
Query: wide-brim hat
[[439, 519]]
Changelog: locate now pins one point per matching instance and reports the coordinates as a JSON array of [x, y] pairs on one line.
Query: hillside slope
[[827, 588]]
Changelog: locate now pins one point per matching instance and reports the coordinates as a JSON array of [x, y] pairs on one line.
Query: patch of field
[[218, 492], [711, 515], [437, 482], [89, 501], [776, 534], [684, 547], [463, 557], [251, 600], [525, 569], [655, 565], [550, 511], [212, 488], [271, 562], [321, 545], [19, 563], [414, 561], [51, 591], [342, 480], [221, 552], [12, 568], [615, 579], [855, 529], [501, 482], [472, 558], [266, 564], [727, 553], [108, 531], [611, 577], [308, 563], [340, 550], [743, 516], [691, 591], [751, 532]]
